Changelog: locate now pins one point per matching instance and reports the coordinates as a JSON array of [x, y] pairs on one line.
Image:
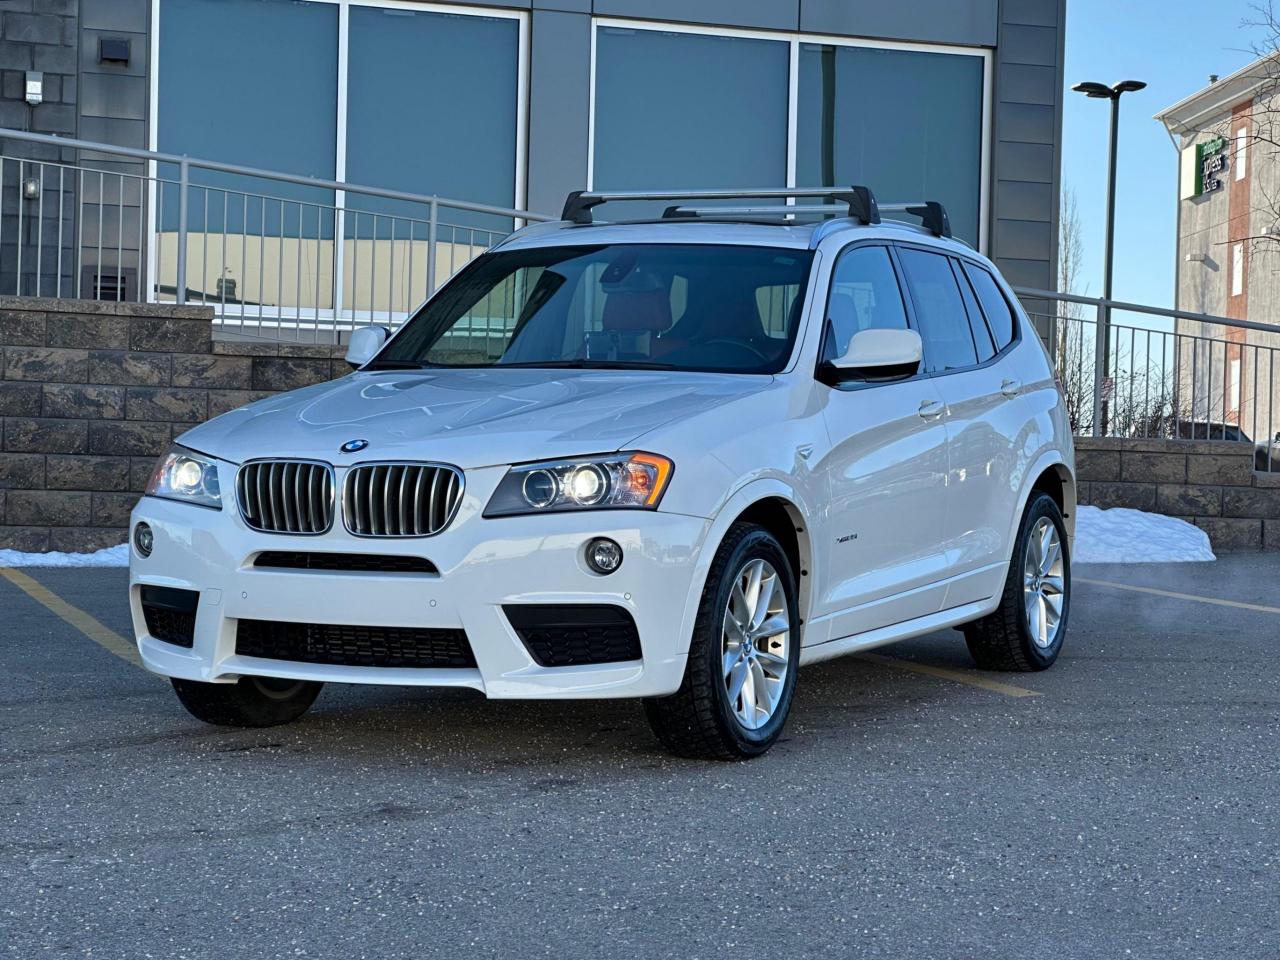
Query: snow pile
[[1120, 535], [108, 557]]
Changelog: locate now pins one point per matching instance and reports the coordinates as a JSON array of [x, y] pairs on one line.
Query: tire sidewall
[[758, 544], [1043, 506]]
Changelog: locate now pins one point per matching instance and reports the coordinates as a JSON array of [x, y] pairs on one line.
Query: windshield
[[665, 306]]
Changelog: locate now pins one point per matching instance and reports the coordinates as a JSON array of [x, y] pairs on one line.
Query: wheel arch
[[1053, 476]]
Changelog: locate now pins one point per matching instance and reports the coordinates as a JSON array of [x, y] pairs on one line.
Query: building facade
[[1228, 249], [511, 105]]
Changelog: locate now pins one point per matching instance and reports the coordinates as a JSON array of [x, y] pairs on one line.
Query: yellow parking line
[[103, 636], [958, 676], [1239, 605]]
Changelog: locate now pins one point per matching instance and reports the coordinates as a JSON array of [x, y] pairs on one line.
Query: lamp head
[[1099, 91], [1129, 86]]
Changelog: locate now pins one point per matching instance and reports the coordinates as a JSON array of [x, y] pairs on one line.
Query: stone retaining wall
[[92, 392], [1210, 483]]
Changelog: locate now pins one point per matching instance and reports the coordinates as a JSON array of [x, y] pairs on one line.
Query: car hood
[[470, 418]]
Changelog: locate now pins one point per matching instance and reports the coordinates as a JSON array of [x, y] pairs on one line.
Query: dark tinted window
[[864, 295], [994, 305], [678, 306], [977, 325], [944, 325]]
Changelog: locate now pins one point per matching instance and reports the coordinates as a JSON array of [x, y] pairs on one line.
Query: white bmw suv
[[672, 459]]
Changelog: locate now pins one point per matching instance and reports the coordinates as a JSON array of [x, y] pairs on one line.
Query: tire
[[700, 720], [249, 702], [1007, 639]]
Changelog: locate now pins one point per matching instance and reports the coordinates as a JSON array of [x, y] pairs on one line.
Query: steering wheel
[[741, 344]]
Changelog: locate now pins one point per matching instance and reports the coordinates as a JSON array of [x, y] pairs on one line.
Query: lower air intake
[[353, 646], [170, 614], [568, 635]]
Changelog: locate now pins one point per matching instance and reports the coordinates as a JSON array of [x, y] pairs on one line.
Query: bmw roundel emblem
[[354, 446]]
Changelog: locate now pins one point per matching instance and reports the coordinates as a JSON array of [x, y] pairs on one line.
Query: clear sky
[[1173, 45]]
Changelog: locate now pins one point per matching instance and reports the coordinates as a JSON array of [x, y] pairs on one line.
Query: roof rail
[[860, 202]]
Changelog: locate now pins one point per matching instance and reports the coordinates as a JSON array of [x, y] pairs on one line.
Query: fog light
[[603, 556], [143, 539]]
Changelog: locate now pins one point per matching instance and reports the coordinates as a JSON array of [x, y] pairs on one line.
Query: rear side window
[[977, 325], [994, 305], [944, 324], [864, 295]]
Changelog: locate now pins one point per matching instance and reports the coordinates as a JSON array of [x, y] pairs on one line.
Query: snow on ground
[[1120, 535], [107, 557], [1102, 536]]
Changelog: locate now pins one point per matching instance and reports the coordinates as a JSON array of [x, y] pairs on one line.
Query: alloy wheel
[[1043, 583], [755, 645]]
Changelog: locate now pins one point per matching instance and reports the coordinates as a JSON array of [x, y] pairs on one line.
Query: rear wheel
[[741, 674], [1026, 631], [249, 702]]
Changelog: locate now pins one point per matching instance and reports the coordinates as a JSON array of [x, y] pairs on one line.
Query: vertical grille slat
[[286, 496], [400, 499]]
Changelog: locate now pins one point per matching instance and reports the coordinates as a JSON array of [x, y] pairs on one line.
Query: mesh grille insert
[[566, 635], [348, 562], [170, 614], [354, 646]]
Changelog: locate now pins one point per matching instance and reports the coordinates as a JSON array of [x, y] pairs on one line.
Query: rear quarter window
[[1000, 315]]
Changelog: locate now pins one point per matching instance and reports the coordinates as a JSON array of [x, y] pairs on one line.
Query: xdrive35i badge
[[354, 446]]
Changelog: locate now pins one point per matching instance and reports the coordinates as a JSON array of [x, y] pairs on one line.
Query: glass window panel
[[683, 110], [994, 305], [977, 324], [253, 82], [431, 108], [944, 325], [906, 123], [864, 295]]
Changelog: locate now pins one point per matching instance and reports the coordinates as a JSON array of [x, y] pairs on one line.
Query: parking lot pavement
[[1131, 808]]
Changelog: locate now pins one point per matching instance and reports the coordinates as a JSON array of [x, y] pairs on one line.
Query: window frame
[[967, 265], [794, 40], [520, 159]]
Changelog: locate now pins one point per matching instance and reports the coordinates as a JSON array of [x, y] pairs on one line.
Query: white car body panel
[[904, 524]]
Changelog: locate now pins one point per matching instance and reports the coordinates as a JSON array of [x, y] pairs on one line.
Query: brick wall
[[1207, 482], [92, 392]]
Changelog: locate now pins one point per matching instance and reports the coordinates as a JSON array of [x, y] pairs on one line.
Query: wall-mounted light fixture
[[35, 87], [31, 189], [1197, 258]]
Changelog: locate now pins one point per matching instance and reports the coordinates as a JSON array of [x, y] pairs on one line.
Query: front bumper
[[483, 564]]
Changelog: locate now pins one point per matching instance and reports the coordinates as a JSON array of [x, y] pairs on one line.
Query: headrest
[[637, 311]]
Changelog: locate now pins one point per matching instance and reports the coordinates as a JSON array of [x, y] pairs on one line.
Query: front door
[[885, 472]]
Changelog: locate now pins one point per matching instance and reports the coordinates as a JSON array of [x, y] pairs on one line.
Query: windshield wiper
[[581, 364], [397, 365]]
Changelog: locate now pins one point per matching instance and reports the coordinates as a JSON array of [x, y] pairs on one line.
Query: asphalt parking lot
[[1124, 804]]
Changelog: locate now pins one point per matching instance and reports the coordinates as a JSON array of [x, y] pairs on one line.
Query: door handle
[[1011, 388], [931, 409]]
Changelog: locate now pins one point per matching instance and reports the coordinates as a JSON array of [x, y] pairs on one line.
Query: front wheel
[[743, 658], [1025, 632], [249, 702]]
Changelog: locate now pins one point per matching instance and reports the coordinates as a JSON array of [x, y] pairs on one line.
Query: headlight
[[185, 475], [614, 481]]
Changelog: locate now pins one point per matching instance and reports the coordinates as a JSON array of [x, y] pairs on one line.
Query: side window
[[864, 295], [944, 325], [1000, 315], [977, 326]]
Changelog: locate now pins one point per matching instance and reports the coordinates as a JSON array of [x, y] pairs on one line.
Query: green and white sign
[[1211, 160]]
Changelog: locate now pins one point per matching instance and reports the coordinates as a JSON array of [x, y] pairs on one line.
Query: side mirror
[[876, 355], [364, 345]]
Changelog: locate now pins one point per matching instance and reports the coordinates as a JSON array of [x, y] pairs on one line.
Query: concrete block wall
[[1211, 483], [92, 392]]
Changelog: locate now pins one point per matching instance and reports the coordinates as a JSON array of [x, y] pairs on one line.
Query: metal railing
[[276, 255], [1169, 374]]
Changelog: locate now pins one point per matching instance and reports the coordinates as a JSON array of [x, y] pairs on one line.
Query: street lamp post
[[1102, 351]]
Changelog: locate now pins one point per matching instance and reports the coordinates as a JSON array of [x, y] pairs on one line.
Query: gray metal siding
[[968, 22], [559, 94], [1027, 132], [752, 14]]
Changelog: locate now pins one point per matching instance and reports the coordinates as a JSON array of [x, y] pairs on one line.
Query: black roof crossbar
[[860, 201], [932, 214]]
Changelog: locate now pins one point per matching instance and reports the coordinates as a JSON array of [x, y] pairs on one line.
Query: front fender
[[734, 505]]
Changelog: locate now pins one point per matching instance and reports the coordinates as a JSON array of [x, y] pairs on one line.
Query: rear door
[[969, 364]]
